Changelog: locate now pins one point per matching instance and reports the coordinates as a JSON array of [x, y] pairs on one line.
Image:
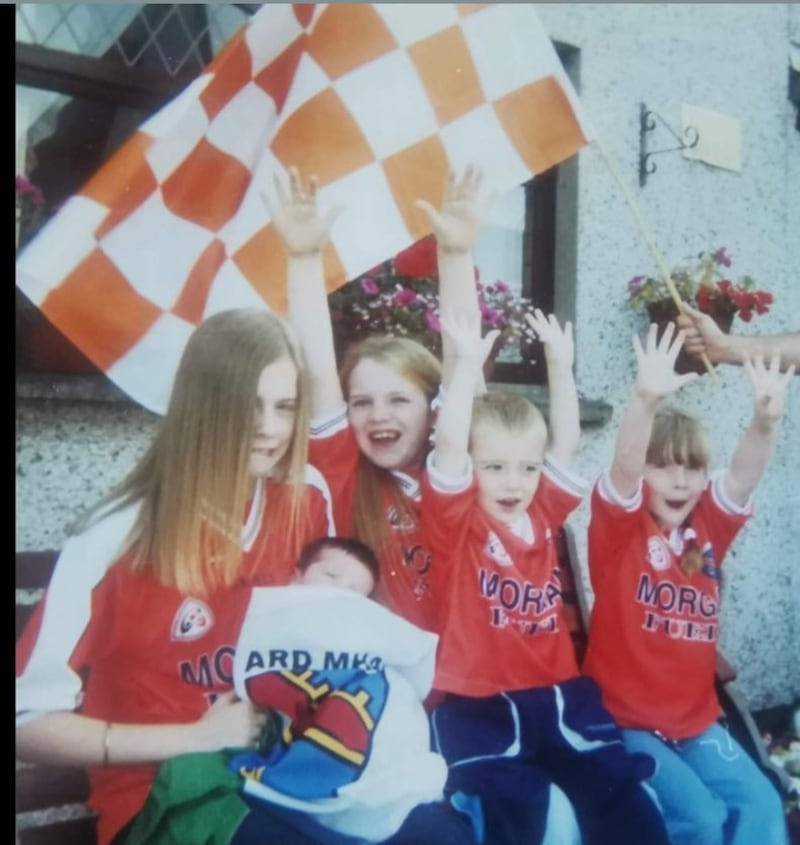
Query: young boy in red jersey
[[658, 532], [517, 725]]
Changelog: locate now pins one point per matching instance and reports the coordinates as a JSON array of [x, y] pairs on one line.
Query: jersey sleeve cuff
[[724, 502], [608, 492], [449, 484], [322, 427], [567, 480]]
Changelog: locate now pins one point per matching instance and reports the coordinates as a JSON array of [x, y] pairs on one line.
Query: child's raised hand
[[769, 385], [464, 333], [457, 223], [656, 376], [559, 347], [296, 217]]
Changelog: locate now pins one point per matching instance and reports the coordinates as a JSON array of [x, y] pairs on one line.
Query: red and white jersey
[[501, 623], [154, 654], [404, 585], [654, 629]]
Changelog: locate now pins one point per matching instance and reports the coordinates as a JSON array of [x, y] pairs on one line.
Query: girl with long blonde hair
[[148, 598]]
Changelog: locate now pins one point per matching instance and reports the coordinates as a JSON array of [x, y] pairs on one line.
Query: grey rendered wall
[[730, 58]]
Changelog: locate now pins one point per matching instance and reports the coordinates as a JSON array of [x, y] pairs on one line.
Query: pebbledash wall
[[730, 58]]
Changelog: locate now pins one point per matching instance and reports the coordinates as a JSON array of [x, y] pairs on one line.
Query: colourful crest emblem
[[193, 620]]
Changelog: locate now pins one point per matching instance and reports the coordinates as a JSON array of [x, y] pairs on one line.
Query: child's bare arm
[[752, 455], [655, 380], [304, 232], [559, 351], [451, 437], [456, 226]]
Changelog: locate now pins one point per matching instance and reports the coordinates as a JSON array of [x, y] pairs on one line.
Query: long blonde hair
[[421, 367], [679, 438], [193, 482]]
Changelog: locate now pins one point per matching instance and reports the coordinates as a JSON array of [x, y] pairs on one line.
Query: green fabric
[[194, 800]]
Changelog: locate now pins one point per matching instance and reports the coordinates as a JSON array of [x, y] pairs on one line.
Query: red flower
[[419, 260]]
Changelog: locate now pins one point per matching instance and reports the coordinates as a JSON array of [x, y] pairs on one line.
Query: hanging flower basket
[[702, 283], [665, 311]]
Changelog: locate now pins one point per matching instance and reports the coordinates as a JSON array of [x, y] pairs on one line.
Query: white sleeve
[[48, 683]]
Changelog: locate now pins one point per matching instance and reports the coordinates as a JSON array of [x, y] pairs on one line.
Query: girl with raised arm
[[659, 530]]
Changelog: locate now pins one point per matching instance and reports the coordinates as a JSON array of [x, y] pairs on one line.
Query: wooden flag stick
[[637, 216]]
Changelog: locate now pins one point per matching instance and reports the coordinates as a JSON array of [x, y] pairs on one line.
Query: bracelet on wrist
[[106, 744]]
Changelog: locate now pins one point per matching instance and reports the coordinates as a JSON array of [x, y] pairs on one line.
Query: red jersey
[[404, 585], [501, 616], [653, 635], [155, 655]]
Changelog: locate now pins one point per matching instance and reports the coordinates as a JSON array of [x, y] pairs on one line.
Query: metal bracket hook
[[647, 123]]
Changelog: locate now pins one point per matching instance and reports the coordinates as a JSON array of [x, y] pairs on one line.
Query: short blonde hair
[[506, 410], [678, 438]]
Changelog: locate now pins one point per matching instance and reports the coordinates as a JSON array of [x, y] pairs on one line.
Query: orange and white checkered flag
[[379, 101]]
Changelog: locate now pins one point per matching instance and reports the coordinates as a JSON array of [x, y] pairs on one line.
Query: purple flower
[[404, 297], [634, 284], [501, 287], [721, 257], [369, 286], [493, 318]]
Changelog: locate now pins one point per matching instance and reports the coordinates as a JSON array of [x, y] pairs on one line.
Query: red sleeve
[[336, 456], [721, 518], [554, 501], [445, 519]]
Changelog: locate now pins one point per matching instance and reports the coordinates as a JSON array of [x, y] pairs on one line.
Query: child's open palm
[[462, 214], [464, 332], [656, 376], [769, 385], [559, 346], [296, 217]]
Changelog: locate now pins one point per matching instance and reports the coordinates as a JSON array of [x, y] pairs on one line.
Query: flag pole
[[637, 216]]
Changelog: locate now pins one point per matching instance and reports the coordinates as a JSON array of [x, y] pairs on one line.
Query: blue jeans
[[710, 790]]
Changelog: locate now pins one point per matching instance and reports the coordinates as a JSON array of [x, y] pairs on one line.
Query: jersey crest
[[496, 551], [658, 554], [193, 620], [402, 523]]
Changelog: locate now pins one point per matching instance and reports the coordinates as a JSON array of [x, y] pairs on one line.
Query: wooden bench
[[50, 800]]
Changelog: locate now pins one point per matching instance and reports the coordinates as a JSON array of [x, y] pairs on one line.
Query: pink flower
[[403, 297], [432, 323], [501, 287], [369, 286], [25, 189]]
